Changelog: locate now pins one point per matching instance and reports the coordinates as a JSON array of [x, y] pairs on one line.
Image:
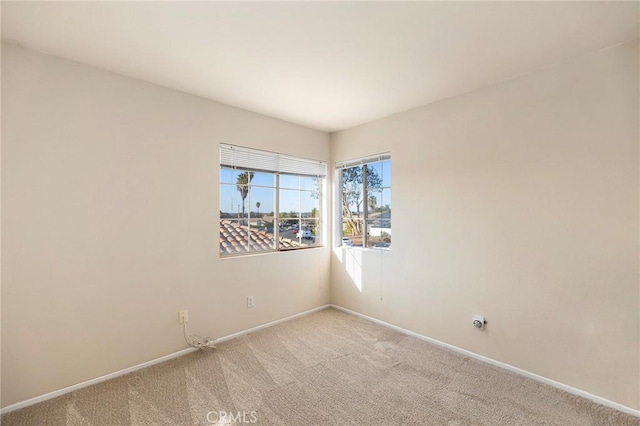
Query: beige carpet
[[327, 368]]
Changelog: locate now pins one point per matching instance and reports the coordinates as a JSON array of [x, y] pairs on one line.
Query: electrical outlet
[[183, 316], [251, 300]]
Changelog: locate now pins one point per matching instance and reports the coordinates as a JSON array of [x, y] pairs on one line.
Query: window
[[365, 188], [268, 201]]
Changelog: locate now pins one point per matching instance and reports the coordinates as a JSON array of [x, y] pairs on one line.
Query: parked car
[[382, 245], [306, 234]]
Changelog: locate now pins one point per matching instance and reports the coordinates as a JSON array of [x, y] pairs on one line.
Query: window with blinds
[[269, 201]]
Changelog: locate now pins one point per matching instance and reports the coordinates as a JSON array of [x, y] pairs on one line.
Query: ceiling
[[325, 65]]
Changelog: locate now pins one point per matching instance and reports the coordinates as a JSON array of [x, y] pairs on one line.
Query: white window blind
[[238, 157], [362, 161]]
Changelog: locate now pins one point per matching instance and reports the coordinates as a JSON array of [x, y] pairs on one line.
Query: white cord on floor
[[203, 343]]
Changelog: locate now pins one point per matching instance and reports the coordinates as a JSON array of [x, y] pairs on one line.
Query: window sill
[[266, 252], [360, 248]]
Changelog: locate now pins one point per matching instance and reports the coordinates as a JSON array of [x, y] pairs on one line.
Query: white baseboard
[[81, 385], [119, 373], [508, 367], [525, 373], [269, 324]]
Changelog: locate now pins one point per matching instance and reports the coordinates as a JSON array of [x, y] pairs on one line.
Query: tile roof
[[233, 239]]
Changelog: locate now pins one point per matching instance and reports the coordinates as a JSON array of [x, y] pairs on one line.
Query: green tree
[[258, 207], [352, 188], [372, 201], [242, 184]]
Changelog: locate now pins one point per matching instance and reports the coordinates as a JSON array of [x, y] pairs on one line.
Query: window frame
[[364, 163], [284, 165]]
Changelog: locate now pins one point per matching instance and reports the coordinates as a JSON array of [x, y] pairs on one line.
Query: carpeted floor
[[327, 368]]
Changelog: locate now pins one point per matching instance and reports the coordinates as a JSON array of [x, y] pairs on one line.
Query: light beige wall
[[110, 205], [519, 202]]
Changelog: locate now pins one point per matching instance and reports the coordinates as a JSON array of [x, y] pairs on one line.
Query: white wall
[[519, 202], [109, 225]]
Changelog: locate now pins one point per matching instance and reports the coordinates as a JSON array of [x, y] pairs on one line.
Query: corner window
[[365, 188], [268, 201]]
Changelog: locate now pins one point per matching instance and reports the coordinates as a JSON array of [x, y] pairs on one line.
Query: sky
[[297, 193]]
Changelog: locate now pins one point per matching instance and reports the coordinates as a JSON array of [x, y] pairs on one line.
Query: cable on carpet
[[196, 341]]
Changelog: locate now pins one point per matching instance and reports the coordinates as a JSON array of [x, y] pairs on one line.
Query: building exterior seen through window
[[365, 188]]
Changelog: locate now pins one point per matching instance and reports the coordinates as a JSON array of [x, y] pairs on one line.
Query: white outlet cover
[[478, 321]]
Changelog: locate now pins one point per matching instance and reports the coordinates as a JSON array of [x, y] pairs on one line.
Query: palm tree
[[258, 207], [242, 185]]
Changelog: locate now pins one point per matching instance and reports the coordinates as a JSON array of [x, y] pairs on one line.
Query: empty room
[[318, 213]]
